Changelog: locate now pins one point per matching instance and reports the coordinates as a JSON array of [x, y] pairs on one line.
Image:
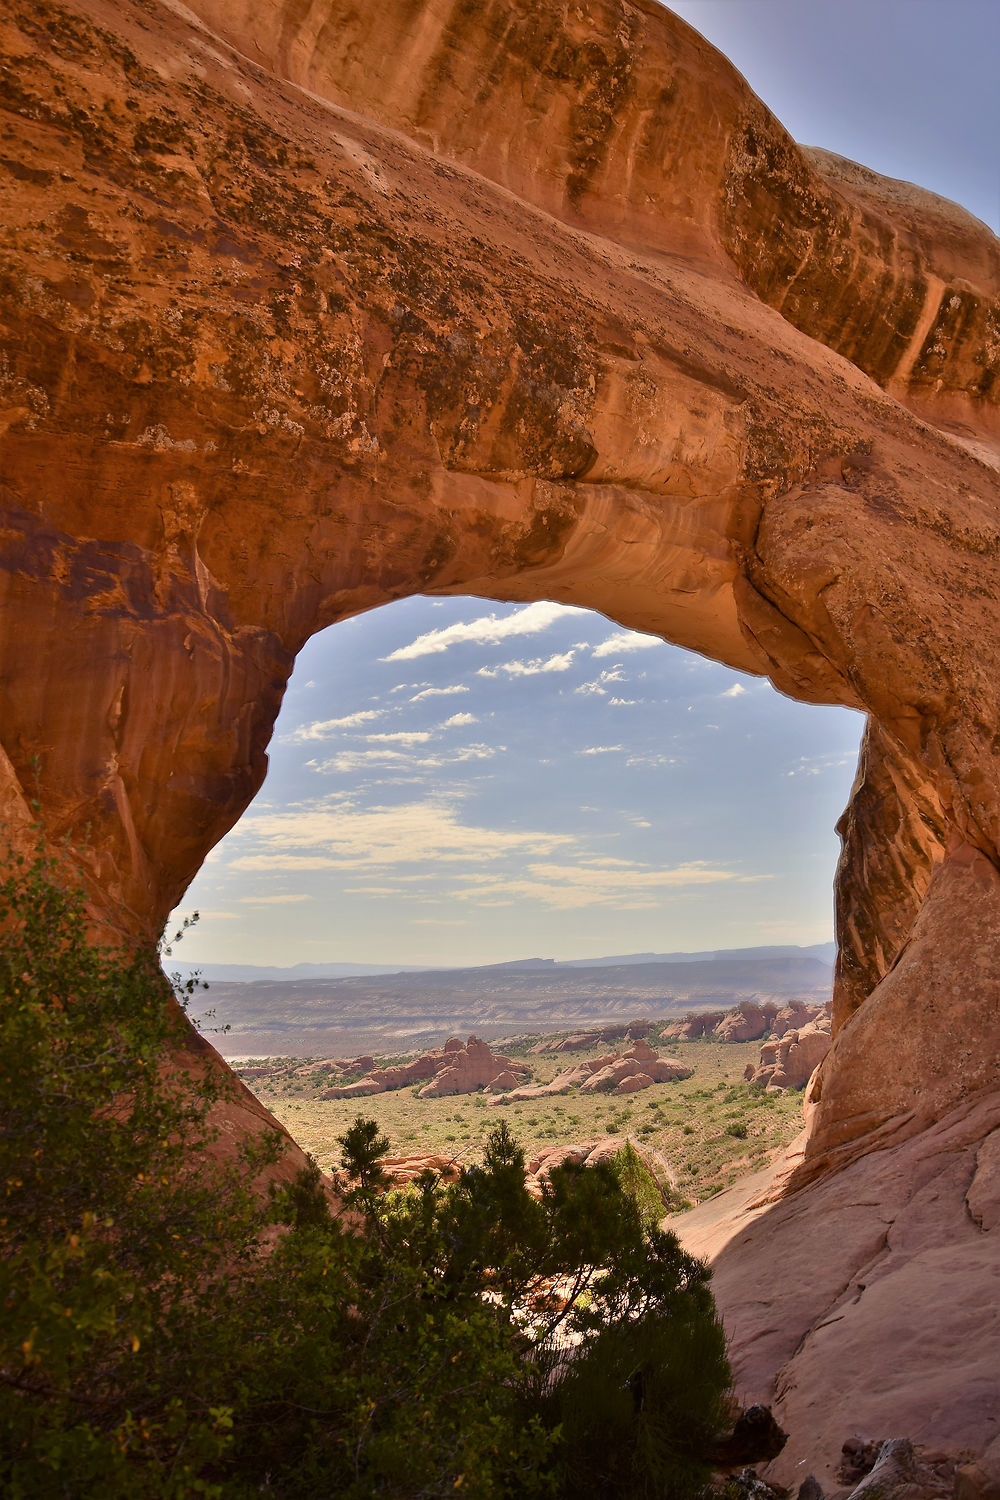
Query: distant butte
[[307, 308]]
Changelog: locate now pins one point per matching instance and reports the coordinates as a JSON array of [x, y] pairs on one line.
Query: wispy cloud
[[323, 728], [321, 837], [458, 721], [600, 684], [816, 765], [560, 662], [606, 882], [736, 691], [345, 762], [601, 750], [288, 900], [626, 640], [486, 630], [401, 737], [438, 692]]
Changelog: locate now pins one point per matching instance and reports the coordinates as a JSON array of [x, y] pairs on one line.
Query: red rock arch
[[308, 307]]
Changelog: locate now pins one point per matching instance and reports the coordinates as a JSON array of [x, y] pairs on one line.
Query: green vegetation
[[687, 1122], [167, 1333]]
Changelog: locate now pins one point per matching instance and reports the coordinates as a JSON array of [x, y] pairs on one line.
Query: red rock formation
[[528, 302], [455, 1068], [746, 1023], [789, 1061], [797, 1014], [657, 1070], [585, 1039], [588, 1154], [469, 1069], [692, 1027]]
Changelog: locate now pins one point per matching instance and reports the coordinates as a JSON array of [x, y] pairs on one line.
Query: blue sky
[[456, 781]]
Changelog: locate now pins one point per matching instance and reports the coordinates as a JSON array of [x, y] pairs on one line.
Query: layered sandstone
[[308, 308]]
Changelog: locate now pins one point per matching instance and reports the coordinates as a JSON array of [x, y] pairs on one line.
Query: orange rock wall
[[307, 307]]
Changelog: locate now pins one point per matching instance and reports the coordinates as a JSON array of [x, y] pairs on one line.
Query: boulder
[[744, 1024], [503, 1082], [633, 1084], [980, 1480], [691, 1028], [359, 1090], [790, 1062], [469, 1068]]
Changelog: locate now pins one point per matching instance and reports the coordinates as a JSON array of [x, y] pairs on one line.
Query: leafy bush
[[167, 1332]]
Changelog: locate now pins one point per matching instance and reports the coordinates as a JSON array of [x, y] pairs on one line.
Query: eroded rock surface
[[307, 309], [456, 1068]]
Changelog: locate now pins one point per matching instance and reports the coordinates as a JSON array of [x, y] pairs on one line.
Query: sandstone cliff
[[309, 307]]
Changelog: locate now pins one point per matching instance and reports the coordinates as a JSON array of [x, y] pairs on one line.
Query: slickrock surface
[[869, 1302], [304, 309]]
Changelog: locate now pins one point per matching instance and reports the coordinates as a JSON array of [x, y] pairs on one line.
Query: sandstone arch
[[307, 307]]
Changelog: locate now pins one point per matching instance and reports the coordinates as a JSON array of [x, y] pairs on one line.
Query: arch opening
[[455, 783]]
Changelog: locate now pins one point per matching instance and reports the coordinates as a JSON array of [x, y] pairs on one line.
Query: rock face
[[693, 1027], [588, 1154], [455, 1068], [790, 1060], [526, 301], [638, 1069], [746, 1023], [868, 1301], [632, 1030]]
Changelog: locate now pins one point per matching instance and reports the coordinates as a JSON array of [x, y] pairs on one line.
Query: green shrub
[[167, 1333]]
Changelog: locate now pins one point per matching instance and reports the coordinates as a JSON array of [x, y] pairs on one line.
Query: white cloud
[[601, 750], [458, 721], [433, 692], [400, 737], [600, 684], [560, 662], [288, 900], [626, 640], [815, 765], [345, 762], [651, 760], [595, 882], [487, 630], [622, 702], [372, 890], [476, 752], [321, 837], [736, 691], [323, 728]]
